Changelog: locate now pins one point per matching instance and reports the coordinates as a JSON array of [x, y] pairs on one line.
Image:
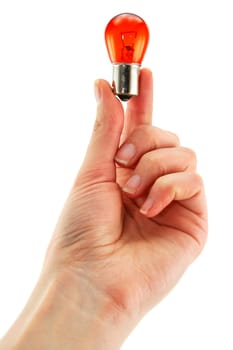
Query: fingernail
[[125, 153], [132, 184], [147, 205], [97, 91]]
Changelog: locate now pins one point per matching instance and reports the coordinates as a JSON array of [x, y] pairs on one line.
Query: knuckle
[[175, 137], [165, 184], [151, 161], [199, 180], [190, 154]]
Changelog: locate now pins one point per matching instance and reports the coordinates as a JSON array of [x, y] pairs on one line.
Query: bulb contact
[[125, 78]]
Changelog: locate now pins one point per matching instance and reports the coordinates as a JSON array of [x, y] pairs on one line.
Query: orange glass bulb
[[126, 38]]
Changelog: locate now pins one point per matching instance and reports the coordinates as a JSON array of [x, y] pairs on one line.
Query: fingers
[[153, 138], [184, 186], [139, 108], [161, 171], [157, 163], [99, 160]]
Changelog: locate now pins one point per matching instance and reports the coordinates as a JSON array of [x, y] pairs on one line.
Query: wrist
[[67, 314]]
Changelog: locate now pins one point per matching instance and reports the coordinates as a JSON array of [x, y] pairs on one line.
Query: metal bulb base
[[125, 80]]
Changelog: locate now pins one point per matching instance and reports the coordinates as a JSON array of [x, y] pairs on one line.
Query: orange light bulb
[[126, 38]]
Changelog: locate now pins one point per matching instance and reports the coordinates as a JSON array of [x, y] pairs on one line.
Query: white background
[[50, 54]]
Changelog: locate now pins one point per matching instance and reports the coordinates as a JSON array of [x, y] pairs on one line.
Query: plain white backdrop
[[50, 54]]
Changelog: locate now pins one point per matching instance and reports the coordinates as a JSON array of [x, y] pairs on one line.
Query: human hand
[[131, 244], [117, 249]]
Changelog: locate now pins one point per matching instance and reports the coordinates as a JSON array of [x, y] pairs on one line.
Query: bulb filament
[[128, 39]]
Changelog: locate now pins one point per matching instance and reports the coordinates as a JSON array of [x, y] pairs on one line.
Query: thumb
[[99, 165]]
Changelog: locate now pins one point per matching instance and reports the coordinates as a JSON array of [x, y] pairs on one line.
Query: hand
[[132, 239], [135, 219]]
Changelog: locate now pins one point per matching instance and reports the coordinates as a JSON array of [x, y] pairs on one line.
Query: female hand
[[136, 216], [135, 219]]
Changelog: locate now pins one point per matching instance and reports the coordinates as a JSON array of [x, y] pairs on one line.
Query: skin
[[117, 249]]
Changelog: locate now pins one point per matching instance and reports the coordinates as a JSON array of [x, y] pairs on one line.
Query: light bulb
[[126, 38]]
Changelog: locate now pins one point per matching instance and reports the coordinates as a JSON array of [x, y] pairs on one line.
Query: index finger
[[139, 108]]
